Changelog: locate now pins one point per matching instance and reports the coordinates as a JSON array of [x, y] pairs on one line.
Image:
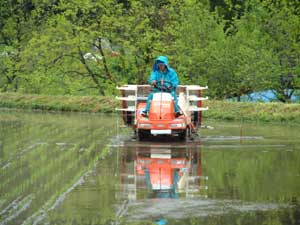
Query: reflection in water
[[43, 158], [168, 182], [63, 169], [163, 171]]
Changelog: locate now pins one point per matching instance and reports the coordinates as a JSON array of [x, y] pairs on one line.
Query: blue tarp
[[265, 96]]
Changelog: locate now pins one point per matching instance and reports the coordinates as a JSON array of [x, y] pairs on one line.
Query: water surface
[[84, 169]]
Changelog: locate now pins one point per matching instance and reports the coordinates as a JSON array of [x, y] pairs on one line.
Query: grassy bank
[[267, 112], [250, 111], [58, 103]]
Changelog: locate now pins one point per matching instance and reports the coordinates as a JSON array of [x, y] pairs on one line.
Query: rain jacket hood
[[167, 78], [169, 75], [162, 59]]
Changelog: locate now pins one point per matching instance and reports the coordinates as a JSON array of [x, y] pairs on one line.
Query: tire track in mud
[[41, 214], [14, 209], [13, 148], [68, 155], [26, 154], [55, 132]]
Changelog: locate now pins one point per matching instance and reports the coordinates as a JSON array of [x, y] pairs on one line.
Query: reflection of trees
[[45, 159], [253, 175]]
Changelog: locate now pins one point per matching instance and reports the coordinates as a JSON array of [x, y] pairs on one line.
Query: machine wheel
[[183, 135], [142, 135], [189, 134]]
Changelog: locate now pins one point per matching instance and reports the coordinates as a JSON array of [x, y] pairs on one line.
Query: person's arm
[[174, 78], [152, 80]]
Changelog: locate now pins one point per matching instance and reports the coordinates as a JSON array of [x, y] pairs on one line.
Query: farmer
[[163, 75]]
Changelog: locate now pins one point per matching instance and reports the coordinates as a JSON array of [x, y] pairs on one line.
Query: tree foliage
[[86, 47]]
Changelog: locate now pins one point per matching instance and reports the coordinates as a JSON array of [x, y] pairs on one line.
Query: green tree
[[73, 51], [229, 10], [144, 35], [282, 27], [193, 28], [15, 31], [241, 62], [88, 47]]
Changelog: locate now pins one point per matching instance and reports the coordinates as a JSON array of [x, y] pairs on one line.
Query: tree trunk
[[90, 72], [108, 74]]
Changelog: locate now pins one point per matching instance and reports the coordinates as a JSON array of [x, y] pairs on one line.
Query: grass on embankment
[[253, 111], [267, 112], [58, 103]]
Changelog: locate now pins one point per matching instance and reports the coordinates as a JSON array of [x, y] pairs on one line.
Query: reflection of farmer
[[163, 75]]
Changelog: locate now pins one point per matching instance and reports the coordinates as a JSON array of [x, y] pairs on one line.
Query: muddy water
[[83, 169]]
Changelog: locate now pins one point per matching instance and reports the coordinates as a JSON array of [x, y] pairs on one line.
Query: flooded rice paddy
[[84, 169]]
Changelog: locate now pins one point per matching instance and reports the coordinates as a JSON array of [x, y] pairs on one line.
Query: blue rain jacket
[[169, 75]]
